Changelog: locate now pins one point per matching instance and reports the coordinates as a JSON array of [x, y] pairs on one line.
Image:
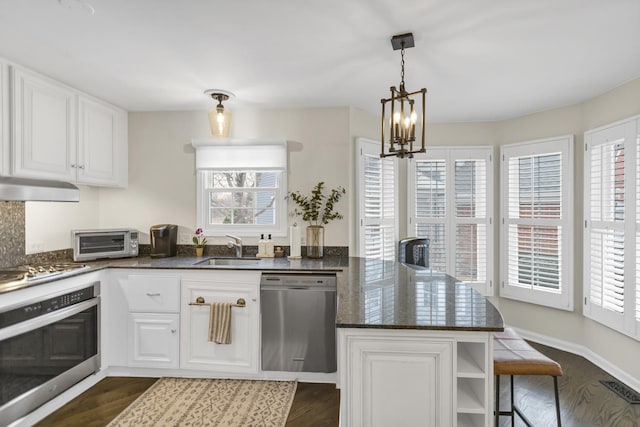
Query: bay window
[[377, 201], [450, 203], [612, 226], [536, 226]]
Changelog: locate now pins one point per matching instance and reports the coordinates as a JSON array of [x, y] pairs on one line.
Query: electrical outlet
[[36, 247], [184, 239]]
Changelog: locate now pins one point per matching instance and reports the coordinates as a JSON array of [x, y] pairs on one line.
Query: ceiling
[[480, 60]]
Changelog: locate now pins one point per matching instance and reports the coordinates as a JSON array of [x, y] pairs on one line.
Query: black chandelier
[[403, 112]]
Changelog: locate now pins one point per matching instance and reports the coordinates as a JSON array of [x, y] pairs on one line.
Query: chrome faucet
[[235, 243]]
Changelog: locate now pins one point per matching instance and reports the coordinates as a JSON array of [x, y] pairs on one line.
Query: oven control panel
[[35, 309]]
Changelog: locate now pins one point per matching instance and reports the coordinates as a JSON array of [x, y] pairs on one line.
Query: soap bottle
[[269, 247], [262, 246]]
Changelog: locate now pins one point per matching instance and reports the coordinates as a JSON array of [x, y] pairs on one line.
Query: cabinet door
[[44, 128], [4, 119], [101, 143], [154, 340], [399, 381], [197, 352]]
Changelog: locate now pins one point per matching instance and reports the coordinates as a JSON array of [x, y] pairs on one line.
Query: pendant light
[[406, 112], [219, 117]]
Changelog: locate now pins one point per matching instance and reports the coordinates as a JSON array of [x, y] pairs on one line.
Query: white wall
[[49, 224], [162, 182]]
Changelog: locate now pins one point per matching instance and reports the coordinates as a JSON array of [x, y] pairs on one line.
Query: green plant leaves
[[317, 208]]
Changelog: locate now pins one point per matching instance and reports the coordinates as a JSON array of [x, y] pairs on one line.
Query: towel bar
[[240, 303]]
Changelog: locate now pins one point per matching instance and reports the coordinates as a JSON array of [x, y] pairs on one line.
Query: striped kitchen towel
[[220, 323]]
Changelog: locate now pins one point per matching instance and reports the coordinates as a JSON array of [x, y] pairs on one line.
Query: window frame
[[368, 147], [627, 322], [279, 229], [563, 299], [451, 155]]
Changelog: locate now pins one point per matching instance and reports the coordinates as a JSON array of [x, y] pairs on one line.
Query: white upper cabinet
[[102, 148], [4, 118], [62, 134], [44, 127]]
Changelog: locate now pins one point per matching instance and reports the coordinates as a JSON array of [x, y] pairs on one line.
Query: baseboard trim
[[583, 351]]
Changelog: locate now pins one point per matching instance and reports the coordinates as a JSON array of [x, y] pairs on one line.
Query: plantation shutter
[[535, 249], [471, 220], [377, 201], [611, 226], [430, 203], [536, 225], [450, 202]]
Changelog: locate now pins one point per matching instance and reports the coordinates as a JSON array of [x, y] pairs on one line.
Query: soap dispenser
[[262, 247], [269, 247]]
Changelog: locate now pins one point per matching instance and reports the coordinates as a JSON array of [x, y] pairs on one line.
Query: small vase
[[199, 251], [315, 241]]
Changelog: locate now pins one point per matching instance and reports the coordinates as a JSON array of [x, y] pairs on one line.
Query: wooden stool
[[514, 356]]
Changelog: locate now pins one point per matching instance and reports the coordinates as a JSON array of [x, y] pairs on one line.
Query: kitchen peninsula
[[414, 345]]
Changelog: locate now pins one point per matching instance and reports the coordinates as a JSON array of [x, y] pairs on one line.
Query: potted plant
[[318, 210], [200, 241]]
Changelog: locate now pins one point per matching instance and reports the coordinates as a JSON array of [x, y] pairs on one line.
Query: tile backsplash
[[11, 233], [12, 226]]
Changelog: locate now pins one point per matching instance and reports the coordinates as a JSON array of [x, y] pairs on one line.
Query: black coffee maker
[[164, 239]]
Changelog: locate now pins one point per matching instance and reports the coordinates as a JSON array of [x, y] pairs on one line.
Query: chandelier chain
[[402, 65]]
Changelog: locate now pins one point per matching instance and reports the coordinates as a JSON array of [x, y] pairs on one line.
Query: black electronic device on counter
[[414, 251], [164, 240]]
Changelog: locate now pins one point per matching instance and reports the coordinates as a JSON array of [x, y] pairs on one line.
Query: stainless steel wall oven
[[46, 346]]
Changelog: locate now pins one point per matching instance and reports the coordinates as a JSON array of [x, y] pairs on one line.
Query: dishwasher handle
[[297, 288]]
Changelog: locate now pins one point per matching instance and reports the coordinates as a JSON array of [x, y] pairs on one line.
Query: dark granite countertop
[[391, 295], [331, 264], [372, 293]]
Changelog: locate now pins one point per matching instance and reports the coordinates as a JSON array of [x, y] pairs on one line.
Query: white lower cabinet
[[153, 320], [414, 378], [153, 340], [197, 352]]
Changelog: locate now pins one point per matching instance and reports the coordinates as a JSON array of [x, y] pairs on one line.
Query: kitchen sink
[[229, 261]]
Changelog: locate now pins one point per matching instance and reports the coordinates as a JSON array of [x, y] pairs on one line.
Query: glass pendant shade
[[219, 117], [220, 121]]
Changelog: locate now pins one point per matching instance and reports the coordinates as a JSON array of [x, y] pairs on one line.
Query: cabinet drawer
[[153, 294]]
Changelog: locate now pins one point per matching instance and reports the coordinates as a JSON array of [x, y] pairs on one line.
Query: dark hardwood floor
[[313, 405], [584, 401], [100, 404]]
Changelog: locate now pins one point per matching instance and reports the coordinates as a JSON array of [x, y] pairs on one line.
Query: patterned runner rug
[[210, 402]]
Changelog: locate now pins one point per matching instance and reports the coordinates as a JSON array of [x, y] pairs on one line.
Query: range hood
[[24, 189]]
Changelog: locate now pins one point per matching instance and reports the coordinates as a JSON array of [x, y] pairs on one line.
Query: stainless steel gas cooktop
[[13, 278]]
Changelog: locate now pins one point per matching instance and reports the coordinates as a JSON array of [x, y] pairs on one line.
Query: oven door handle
[[46, 319]]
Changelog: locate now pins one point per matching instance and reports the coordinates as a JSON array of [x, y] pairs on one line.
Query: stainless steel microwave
[[112, 243]]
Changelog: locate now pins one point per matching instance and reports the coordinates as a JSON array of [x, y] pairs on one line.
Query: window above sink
[[241, 188]]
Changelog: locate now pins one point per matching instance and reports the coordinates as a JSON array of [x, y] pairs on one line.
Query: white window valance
[[240, 154]]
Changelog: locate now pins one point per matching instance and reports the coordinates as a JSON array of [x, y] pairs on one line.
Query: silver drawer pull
[[154, 294]]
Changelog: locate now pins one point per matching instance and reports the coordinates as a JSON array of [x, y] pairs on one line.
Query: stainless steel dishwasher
[[298, 322]]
